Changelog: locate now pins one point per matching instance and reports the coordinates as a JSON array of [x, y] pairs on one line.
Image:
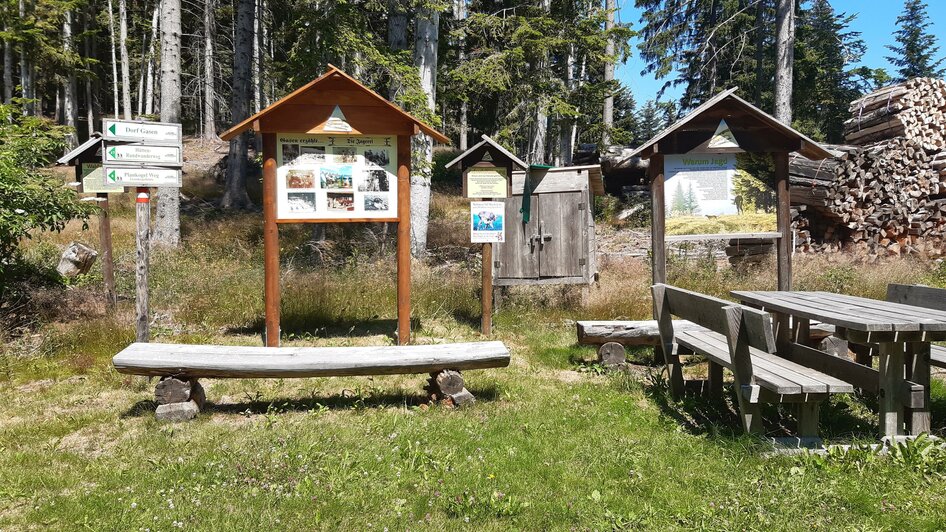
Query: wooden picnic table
[[900, 334]]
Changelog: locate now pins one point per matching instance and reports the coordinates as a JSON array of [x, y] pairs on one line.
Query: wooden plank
[[560, 244], [552, 180], [928, 319], [863, 377], [142, 257], [199, 361], [918, 371], [270, 242], [784, 218], [715, 380], [767, 235], [788, 303], [334, 220], [486, 293], [404, 240], [743, 370], [658, 260], [891, 380], [918, 296], [627, 333], [808, 413], [938, 356], [868, 308], [707, 311], [665, 326]]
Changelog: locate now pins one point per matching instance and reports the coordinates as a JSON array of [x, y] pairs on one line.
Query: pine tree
[[649, 121], [917, 49], [678, 205]]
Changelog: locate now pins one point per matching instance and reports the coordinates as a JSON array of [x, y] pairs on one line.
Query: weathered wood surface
[[142, 254], [612, 355], [628, 333], [215, 361]]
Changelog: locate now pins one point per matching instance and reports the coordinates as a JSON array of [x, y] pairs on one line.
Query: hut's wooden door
[[518, 257], [564, 234]]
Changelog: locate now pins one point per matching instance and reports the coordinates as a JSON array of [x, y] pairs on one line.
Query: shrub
[[30, 199]]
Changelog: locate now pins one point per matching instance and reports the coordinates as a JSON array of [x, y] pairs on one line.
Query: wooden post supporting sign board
[[142, 253], [335, 152]]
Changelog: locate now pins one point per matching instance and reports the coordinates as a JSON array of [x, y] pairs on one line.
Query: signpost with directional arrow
[[142, 154]]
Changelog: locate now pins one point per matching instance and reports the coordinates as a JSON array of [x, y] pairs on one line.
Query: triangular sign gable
[[723, 138], [337, 122], [487, 157]]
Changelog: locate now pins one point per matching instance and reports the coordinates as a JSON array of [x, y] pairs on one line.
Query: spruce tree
[[916, 50]]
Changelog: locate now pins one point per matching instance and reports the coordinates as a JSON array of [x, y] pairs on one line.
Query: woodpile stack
[[885, 192]]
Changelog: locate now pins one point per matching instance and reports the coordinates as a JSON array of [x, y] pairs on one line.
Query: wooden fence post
[[784, 219], [105, 240], [143, 248]]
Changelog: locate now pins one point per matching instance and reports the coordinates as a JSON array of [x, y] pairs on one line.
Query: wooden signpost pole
[[143, 245], [487, 294], [105, 239], [403, 240], [270, 241]]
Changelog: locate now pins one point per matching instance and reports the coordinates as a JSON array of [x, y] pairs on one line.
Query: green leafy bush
[[30, 199]]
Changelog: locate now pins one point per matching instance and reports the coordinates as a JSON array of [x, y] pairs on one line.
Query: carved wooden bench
[[181, 365]]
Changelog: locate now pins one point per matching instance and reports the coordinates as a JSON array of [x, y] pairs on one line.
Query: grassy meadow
[[552, 442]]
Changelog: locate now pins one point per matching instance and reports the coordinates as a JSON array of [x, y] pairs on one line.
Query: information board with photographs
[[336, 177]]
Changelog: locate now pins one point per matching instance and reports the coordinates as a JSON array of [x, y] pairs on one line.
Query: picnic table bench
[[926, 297], [180, 365], [740, 339], [901, 335]]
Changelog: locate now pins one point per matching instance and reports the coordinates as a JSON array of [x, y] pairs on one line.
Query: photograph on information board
[[707, 193]]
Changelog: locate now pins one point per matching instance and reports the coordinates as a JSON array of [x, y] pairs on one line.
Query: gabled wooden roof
[[93, 144], [487, 141], [754, 129], [306, 109]]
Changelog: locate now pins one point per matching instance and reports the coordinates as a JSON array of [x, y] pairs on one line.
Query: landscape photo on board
[[301, 201], [290, 152], [311, 155], [300, 179], [377, 156], [374, 181], [376, 202], [341, 201], [336, 177], [344, 154]]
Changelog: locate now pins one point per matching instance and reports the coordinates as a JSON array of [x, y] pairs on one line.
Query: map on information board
[[335, 177]]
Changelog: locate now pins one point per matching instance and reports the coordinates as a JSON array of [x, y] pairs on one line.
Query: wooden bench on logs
[[180, 396], [741, 339]]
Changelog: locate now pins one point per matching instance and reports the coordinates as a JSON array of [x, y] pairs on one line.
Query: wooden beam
[[655, 172], [784, 219], [142, 257], [404, 240], [270, 241], [221, 361], [108, 261]]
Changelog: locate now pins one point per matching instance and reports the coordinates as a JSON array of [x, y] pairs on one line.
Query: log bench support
[[178, 399], [447, 385]]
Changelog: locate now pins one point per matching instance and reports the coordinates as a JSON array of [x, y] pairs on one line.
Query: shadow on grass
[[347, 400], [699, 414], [325, 327]]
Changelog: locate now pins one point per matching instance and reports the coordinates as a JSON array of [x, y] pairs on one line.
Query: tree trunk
[[397, 37], [235, 196], [111, 33], [784, 61], [759, 52], [566, 148], [607, 120], [149, 75], [26, 69], [123, 50], [540, 136], [463, 129], [426, 34], [167, 224], [210, 123], [257, 95], [7, 67], [70, 93], [89, 92]]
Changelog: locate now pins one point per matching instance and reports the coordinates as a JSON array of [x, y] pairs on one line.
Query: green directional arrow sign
[[112, 152], [111, 129], [111, 176]]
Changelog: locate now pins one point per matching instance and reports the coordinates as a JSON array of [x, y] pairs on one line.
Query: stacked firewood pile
[[884, 193]]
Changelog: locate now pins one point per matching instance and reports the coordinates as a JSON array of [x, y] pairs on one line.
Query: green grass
[[552, 443], [702, 225]]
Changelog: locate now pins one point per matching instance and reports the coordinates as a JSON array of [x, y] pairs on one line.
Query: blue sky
[[876, 20]]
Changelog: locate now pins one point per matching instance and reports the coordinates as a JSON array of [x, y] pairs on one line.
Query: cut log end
[[612, 355]]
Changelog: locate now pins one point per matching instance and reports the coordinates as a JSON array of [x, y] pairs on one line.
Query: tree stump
[[76, 260], [612, 355], [172, 390], [448, 385], [198, 396]]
